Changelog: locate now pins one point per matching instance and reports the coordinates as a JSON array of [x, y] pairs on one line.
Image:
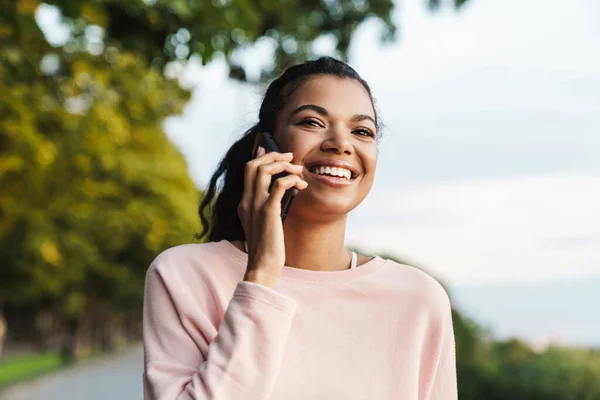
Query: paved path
[[106, 378]]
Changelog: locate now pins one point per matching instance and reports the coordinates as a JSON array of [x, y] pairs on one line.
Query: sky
[[489, 167]]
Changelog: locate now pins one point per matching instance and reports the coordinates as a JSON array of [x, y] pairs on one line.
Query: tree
[[92, 189], [167, 30], [162, 31]]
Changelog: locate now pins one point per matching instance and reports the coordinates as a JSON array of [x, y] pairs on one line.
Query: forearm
[[242, 361]]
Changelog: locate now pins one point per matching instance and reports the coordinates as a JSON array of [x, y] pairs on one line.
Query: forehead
[[342, 96]]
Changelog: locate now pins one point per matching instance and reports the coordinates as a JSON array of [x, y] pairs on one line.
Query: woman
[[300, 318]]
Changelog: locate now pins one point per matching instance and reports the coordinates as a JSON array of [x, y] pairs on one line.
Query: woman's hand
[[260, 213]]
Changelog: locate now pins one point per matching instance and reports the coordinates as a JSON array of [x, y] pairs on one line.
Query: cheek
[[298, 143], [369, 157]]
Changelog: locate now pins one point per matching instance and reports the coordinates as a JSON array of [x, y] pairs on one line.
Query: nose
[[337, 140]]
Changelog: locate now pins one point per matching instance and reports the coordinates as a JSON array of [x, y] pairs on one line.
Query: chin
[[316, 208]]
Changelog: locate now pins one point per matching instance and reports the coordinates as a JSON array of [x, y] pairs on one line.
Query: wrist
[[260, 277]]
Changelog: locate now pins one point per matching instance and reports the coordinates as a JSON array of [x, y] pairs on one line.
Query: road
[[107, 378]]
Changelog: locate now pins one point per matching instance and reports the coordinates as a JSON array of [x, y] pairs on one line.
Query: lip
[[333, 163], [331, 180]]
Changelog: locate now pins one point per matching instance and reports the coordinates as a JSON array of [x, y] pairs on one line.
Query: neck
[[317, 246]]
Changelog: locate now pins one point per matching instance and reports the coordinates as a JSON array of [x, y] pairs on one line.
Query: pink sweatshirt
[[380, 331]]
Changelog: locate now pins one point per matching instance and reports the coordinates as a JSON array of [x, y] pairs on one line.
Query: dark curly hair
[[218, 208]]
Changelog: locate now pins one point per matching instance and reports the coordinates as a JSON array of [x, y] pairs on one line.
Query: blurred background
[[114, 114]]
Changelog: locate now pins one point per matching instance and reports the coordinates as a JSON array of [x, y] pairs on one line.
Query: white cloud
[[514, 229], [535, 35]]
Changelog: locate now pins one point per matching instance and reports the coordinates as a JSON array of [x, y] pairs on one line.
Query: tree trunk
[[107, 343], [3, 329], [69, 346]]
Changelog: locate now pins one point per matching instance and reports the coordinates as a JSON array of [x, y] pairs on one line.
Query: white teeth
[[334, 171]]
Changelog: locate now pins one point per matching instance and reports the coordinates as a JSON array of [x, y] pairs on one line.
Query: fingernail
[[261, 151]]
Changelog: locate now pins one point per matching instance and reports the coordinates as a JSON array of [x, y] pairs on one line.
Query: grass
[[21, 368], [24, 367]]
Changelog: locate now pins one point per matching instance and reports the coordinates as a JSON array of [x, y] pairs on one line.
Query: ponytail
[[221, 221]]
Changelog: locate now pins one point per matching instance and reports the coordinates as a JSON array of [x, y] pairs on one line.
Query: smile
[[337, 179], [332, 171]]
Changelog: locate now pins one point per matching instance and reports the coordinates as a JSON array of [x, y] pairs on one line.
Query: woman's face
[[330, 122]]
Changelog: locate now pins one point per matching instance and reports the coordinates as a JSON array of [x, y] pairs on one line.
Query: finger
[[258, 151], [280, 186], [265, 174], [252, 165], [249, 201], [250, 174], [270, 157]]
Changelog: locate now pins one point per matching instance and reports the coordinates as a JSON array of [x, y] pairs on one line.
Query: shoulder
[[417, 286], [189, 262], [183, 254]]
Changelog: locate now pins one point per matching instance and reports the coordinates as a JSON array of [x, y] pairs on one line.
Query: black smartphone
[[267, 141]]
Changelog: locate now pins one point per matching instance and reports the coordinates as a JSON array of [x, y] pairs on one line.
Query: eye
[[364, 132], [311, 122]]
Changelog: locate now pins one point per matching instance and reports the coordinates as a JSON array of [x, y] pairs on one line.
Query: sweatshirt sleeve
[[444, 385], [243, 359]]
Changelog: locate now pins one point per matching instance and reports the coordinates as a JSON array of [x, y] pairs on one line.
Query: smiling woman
[[272, 310]]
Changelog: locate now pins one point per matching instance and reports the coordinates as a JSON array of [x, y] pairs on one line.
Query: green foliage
[[512, 370], [163, 30], [92, 189]]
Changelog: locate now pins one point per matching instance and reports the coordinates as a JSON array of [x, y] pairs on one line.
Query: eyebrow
[[322, 111]]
